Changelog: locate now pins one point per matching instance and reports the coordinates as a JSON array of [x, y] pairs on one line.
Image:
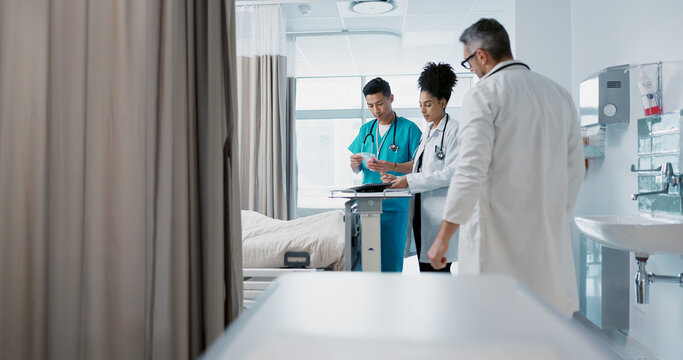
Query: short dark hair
[[377, 85], [438, 80], [490, 35]]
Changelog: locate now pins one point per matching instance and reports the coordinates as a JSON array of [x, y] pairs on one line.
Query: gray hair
[[489, 35]]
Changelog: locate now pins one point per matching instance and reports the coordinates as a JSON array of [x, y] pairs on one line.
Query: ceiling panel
[[414, 58], [435, 22], [455, 56], [437, 38], [373, 40], [421, 7], [429, 32], [317, 10], [332, 67], [305, 72], [314, 25], [394, 23], [491, 5], [476, 15], [317, 42], [301, 65], [341, 52], [367, 54]]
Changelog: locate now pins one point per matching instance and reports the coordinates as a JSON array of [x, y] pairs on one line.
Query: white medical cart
[[364, 235]]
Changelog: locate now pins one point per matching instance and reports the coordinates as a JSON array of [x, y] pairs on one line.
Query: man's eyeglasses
[[466, 63]]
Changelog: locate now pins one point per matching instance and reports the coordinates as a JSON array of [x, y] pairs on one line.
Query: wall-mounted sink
[[641, 235]]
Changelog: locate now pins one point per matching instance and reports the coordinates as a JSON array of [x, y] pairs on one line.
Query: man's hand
[[356, 160], [399, 183], [381, 166], [437, 251]]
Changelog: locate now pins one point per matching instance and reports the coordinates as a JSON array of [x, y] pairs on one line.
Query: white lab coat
[[433, 183], [519, 168]]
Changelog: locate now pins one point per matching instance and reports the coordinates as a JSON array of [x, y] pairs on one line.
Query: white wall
[[606, 33], [567, 40], [542, 38]]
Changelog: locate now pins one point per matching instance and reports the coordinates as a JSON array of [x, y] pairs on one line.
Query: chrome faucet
[[666, 178]]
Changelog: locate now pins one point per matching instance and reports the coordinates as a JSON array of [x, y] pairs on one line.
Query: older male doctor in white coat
[[517, 175]]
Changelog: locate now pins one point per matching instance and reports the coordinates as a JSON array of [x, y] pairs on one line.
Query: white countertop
[[349, 315]]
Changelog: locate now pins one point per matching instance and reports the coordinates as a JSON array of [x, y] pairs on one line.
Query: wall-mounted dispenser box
[[604, 97]]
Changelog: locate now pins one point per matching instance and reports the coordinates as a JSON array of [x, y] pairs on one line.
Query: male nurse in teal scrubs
[[393, 141]]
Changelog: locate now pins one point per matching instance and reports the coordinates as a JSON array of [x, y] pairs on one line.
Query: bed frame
[[256, 280]]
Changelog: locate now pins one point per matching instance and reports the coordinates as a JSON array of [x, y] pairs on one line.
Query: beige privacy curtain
[[119, 226], [262, 110]]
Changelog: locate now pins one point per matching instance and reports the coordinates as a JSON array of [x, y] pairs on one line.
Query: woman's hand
[[400, 183], [388, 178], [381, 166]]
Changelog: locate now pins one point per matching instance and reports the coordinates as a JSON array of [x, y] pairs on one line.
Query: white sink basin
[[634, 233]]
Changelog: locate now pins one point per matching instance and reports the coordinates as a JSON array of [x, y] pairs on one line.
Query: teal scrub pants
[[393, 226]]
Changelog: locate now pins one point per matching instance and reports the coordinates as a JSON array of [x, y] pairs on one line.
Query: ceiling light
[[305, 9], [372, 7]]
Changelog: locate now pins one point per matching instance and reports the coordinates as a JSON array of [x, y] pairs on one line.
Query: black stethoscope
[[508, 65], [439, 150], [393, 147], [440, 154]]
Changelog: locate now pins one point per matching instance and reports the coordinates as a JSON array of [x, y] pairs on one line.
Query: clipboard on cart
[[371, 187]]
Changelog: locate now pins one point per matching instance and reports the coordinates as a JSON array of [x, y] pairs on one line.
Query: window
[[328, 93], [404, 88], [328, 115], [323, 160], [329, 112]]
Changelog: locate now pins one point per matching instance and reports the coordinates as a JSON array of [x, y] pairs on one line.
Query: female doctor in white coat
[[432, 165]]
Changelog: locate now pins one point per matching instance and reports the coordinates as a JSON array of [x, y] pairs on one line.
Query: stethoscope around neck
[[393, 147], [508, 65], [440, 154], [439, 150]]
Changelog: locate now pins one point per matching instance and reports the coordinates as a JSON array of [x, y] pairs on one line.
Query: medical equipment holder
[[363, 227]]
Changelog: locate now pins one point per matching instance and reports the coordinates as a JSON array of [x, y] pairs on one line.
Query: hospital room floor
[[410, 266]]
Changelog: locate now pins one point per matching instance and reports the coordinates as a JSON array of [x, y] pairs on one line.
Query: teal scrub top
[[407, 139]]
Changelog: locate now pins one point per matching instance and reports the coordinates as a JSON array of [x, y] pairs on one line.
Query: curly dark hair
[[438, 80]]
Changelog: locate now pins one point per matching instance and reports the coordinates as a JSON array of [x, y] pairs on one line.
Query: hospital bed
[[266, 240], [334, 240], [272, 247]]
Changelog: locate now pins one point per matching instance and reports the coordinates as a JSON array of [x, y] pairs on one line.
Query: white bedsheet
[[265, 240]]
